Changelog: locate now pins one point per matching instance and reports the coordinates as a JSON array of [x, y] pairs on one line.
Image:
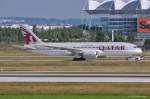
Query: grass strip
[[76, 88]]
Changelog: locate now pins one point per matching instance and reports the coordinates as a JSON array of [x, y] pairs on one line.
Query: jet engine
[[88, 54]]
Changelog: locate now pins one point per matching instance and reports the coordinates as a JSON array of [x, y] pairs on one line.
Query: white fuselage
[[108, 48], [86, 50]]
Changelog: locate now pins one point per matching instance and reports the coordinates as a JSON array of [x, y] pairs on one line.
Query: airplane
[[83, 50]]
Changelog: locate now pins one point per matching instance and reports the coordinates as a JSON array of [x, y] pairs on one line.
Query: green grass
[[16, 52], [69, 96], [68, 65], [146, 53], [76, 88]]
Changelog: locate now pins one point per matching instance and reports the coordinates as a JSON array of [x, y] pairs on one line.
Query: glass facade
[[119, 15], [124, 24]]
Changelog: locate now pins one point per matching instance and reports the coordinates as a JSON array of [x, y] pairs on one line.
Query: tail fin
[[29, 36]]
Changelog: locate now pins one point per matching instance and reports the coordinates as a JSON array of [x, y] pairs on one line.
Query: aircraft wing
[[73, 51], [78, 51]]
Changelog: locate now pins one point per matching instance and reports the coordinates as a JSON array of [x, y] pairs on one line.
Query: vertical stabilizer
[[29, 36]]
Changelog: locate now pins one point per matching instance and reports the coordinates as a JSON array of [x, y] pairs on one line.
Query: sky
[[59, 9]]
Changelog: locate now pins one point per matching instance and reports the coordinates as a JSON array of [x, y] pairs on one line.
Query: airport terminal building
[[121, 16]]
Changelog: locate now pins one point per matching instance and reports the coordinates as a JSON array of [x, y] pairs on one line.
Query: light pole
[[112, 36]]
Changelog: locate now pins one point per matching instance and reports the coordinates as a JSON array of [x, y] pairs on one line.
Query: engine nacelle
[[100, 53], [91, 54]]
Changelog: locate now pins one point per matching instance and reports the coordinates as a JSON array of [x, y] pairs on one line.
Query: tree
[[34, 29], [119, 38], [100, 37], [130, 38], [147, 44]]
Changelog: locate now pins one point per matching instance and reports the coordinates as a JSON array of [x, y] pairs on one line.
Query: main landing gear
[[79, 58]]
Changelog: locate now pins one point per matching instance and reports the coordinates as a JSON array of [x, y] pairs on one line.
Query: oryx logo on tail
[[29, 36]]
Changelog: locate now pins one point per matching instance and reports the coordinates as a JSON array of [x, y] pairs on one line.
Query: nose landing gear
[[135, 58]]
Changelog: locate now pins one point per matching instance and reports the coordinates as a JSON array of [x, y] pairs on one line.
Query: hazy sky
[[42, 8]]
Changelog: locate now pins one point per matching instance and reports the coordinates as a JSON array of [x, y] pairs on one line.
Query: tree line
[[80, 33], [10, 35]]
